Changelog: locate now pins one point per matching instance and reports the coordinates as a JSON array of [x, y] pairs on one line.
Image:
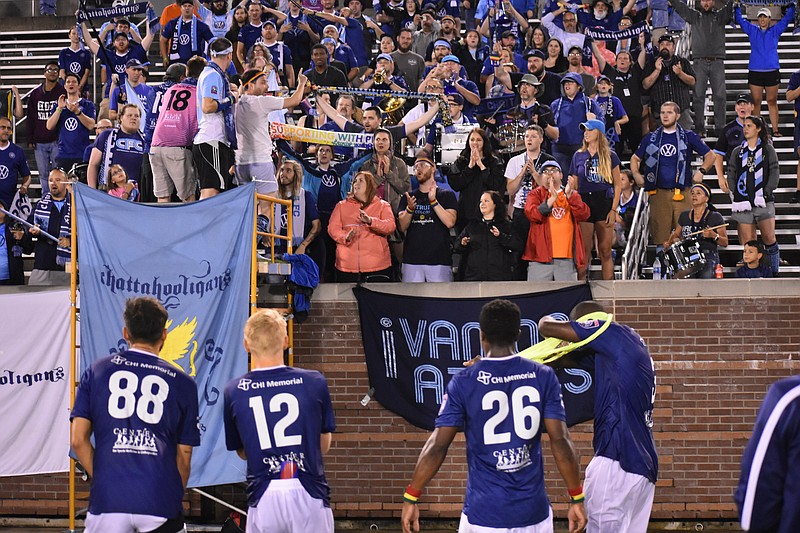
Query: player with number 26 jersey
[[501, 404], [141, 408], [277, 415]]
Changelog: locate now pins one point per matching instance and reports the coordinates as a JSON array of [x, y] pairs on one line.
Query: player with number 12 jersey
[[141, 410]]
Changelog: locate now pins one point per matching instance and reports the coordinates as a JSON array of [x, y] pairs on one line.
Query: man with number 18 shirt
[[143, 413], [621, 478], [502, 403], [280, 419]]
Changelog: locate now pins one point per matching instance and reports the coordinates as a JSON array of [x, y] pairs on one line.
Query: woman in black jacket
[[489, 248], [476, 171]]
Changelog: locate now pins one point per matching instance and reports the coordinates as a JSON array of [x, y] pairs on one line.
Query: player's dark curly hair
[[499, 322], [145, 319]]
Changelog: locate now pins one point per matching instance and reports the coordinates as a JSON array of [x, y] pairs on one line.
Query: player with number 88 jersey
[[280, 419], [143, 414], [502, 403]]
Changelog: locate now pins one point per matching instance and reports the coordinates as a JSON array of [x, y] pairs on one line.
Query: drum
[[450, 145], [79, 171], [684, 258], [511, 136]]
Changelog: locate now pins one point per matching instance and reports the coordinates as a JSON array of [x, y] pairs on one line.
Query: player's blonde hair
[[265, 332]]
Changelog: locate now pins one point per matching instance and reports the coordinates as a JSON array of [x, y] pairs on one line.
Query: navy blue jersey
[[249, 35], [501, 404], [732, 136], [73, 61], [277, 415], [73, 136], [768, 493], [141, 408], [625, 390], [13, 165], [187, 46], [118, 62]]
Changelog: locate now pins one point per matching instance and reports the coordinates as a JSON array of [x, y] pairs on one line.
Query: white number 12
[[279, 433]]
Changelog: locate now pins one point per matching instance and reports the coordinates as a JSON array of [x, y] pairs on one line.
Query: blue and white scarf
[[653, 156], [176, 36], [599, 34], [41, 217], [749, 190], [227, 115]]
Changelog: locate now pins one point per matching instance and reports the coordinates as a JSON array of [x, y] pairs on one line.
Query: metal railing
[[636, 248]]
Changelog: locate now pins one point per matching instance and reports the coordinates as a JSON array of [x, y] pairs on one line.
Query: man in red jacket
[[555, 246]]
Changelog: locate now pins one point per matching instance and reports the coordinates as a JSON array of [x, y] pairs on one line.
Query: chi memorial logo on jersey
[[484, 377], [513, 459], [139, 441]]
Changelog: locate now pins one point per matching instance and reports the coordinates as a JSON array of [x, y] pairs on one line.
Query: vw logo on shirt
[[71, 124], [669, 150], [183, 39], [75, 67], [120, 69], [3, 172]]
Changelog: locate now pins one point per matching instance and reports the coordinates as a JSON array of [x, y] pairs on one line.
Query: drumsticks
[[702, 230]]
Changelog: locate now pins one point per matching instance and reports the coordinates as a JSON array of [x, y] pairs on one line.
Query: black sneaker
[[795, 198]]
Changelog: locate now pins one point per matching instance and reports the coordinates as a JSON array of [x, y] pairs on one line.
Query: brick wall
[[715, 358]]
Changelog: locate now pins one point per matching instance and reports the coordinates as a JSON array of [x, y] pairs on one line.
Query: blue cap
[[442, 42], [387, 57], [135, 63], [594, 124], [451, 57], [550, 163], [573, 77]]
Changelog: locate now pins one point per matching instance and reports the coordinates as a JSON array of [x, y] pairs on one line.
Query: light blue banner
[[195, 258]]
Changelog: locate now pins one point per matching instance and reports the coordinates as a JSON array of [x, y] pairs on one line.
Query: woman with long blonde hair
[[596, 169]]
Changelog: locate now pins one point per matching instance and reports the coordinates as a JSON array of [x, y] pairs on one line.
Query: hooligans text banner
[[34, 383], [414, 345], [194, 258]]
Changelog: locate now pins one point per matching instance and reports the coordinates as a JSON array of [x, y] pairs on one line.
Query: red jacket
[[539, 247]]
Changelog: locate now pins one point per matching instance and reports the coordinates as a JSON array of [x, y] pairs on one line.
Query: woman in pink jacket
[[360, 225]]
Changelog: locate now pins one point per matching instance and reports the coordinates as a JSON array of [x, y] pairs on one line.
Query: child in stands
[[753, 266], [120, 186]]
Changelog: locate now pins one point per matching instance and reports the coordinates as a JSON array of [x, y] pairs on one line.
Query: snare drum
[[450, 145], [684, 258], [511, 136]]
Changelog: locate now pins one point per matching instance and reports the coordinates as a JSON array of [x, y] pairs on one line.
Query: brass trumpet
[[380, 76], [392, 110]]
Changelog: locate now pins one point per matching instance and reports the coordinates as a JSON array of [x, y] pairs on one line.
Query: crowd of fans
[[563, 114]]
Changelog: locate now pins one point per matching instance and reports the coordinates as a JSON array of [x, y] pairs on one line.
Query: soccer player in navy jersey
[[143, 414], [280, 419], [502, 403], [621, 478], [768, 492]]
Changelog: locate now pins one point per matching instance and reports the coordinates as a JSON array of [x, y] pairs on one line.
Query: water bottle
[[718, 272], [657, 269]]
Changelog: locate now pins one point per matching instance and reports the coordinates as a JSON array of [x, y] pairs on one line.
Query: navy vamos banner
[[194, 258], [414, 346]]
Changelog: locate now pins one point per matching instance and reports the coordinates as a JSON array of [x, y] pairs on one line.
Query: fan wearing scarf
[[133, 90], [123, 145], [216, 136], [753, 174], [52, 214], [184, 36], [662, 165]]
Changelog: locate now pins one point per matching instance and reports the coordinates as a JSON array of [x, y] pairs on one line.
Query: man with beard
[[53, 215], [574, 59], [281, 55], [219, 18], [184, 36], [408, 64], [549, 80], [426, 215], [427, 34], [663, 166], [569, 36], [73, 119], [250, 33], [708, 52], [447, 33], [669, 78], [535, 112], [239, 22], [627, 81]]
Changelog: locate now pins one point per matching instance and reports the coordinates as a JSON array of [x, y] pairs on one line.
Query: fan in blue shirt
[[502, 403]]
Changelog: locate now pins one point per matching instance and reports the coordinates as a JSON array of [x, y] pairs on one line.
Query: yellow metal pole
[[73, 339]]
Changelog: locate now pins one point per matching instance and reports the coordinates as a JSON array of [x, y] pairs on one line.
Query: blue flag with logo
[[195, 258]]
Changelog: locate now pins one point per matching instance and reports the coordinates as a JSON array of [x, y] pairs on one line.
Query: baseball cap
[[535, 53], [387, 57], [603, 77], [135, 63], [121, 34], [442, 42], [508, 33], [744, 97], [456, 98], [451, 57], [530, 79], [573, 77], [428, 11], [548, 164], [593, 124], [764, 12], [666, 38]]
